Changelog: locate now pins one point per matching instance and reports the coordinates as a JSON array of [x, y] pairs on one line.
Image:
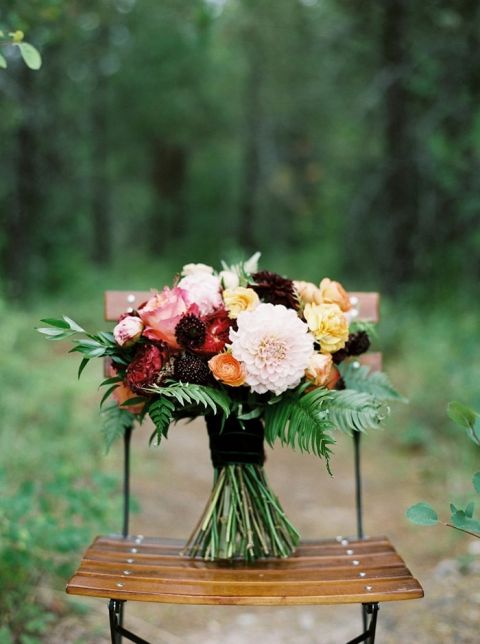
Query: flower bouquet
[[264, 359]]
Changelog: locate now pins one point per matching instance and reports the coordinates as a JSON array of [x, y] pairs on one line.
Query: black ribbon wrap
[[235, 444]]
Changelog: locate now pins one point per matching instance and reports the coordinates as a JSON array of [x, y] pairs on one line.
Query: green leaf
[[465, 417], [350, 410], [161, 413], [82, 366], [362, 379], [115, 421], [190, 394], [301, 421], [109, 391], [476, 482], [462, 521], [470, 509], [110, 381], [3, 62], [61, 324], [30, 55], [73, 325], [422, 514]]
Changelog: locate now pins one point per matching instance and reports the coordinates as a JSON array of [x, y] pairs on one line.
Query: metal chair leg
[[116, 630], [368, 636]]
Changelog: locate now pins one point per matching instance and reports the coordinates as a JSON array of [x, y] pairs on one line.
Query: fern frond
[[115, 421], [376, 383], [351, 410], [301, 422], [161, 413], [189, 394]]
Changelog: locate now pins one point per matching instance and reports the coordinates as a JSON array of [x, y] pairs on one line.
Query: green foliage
[[187, 394], [467, 418], [355, 411], [29, 53], [161, 412], [422, 514], [116, 420], [301, 421], [363, 380], [43, 524]]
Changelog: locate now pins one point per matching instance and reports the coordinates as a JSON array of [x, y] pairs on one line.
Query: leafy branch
[[31, 56], [362, 379], [351, 410]]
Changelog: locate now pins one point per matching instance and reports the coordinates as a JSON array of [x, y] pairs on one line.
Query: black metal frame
[[116, 607]]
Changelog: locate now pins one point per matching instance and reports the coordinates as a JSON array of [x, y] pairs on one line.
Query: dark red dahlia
[[274, 289], [217, 326], [146, 366]]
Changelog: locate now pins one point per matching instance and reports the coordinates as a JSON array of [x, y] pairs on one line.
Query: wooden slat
[[372, 360], [117, 302], [322, 572]]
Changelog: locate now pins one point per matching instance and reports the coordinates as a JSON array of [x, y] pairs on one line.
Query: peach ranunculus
[[319, 368], [333, 293], [163, 312], [128, 330], [308, 292], [321, 371], [227, 369], [328, 324], [239, 299]]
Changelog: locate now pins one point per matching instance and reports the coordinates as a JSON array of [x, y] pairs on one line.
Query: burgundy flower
[[144, 370], [274, 289], [217, 328]]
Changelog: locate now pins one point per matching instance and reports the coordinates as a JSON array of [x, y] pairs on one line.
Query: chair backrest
[[366, 308]]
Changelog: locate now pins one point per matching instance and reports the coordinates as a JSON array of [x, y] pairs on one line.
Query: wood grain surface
[[336, 571]]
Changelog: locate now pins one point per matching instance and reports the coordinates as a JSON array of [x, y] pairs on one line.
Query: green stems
[[242, 519]]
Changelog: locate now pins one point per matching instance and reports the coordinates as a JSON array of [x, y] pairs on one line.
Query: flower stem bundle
[[243, 519]]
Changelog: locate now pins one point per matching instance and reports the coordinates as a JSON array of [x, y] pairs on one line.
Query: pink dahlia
[[274, 346]]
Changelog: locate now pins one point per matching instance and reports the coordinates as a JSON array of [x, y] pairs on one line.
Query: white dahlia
[[274, 346]]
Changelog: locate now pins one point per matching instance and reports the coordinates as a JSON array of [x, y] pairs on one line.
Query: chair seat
[[335, 571]]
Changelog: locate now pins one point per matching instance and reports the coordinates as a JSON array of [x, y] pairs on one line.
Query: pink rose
[[128, 330], [203, 289], [163, 312]]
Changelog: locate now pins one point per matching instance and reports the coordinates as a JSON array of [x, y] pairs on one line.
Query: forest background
[[339, 137]]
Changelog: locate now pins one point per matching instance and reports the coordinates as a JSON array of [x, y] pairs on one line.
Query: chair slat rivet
[[134, 550], [355, 562], [344, 542], [355, 364], [339, 538], [353, 313], [130, 560], [139, 539], [131, 298], [130, 309], [368, 588], [349, 552], [354, 300], [126, 572], [119, 585], [362, 574]]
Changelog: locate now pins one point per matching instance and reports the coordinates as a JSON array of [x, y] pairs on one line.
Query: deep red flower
[[217, 328], [144, 370]]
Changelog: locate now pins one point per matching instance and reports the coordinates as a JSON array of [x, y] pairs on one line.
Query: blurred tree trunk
[[21, 214], [250, 181], [100, 183], [169, 175], [399, 182]]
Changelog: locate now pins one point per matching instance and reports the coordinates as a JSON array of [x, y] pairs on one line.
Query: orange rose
[[308, 292], [333, 293], [227, 369]]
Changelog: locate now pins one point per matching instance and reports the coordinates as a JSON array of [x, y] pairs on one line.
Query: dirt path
[[172, 484]]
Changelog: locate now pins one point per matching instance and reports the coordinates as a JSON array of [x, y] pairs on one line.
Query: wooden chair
[[342, 570]]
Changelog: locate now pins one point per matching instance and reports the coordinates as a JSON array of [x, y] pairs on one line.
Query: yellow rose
[[308, 292], [333, 293], [328, 324], [239, 299]]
